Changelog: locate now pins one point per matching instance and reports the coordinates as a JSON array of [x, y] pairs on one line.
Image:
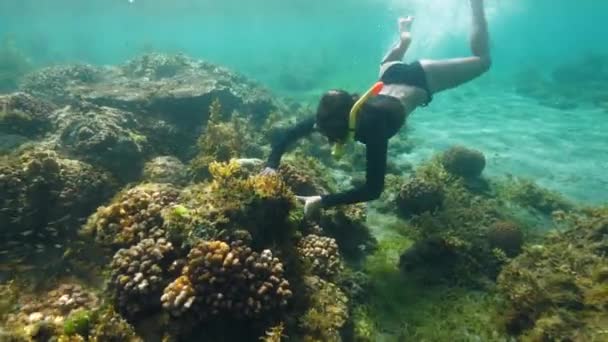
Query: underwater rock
[[24, 115], [232, 279], [165, 169], [139, 275], [558, 291], [44, 199], [463, 162], [418, 196], [133, 215], [506, 236], [175, 87], [320, 253], [57, 84], [102, 136]]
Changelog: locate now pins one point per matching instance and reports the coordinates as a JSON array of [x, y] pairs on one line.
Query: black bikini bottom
[[408, 74]]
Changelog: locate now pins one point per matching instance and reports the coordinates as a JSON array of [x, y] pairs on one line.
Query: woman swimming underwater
[[379, 114]]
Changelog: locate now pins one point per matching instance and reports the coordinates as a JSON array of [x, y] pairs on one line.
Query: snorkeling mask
[[337, 150]]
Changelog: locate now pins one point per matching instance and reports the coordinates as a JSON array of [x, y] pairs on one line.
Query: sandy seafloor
[[562, 150]]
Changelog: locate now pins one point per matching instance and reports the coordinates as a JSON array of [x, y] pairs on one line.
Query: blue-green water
[[540, 113], [343, 38], [301, 48]]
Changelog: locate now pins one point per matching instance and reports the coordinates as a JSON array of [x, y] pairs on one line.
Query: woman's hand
[[268, 171], [312, 205]]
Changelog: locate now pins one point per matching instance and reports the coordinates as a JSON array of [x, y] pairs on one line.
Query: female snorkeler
[[373, 120]]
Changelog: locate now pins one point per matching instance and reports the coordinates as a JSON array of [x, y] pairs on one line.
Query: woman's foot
[[405, 24]]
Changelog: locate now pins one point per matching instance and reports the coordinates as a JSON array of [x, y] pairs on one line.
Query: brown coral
[[463, 162], [418, 196], [133, 215], [230, 279], [139, 275], [506, 236], [321, 254]]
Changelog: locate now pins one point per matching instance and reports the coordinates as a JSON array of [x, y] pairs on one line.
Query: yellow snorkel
[[338, 148]]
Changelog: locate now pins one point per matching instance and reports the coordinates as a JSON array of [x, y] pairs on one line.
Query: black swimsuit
[[409, 74]]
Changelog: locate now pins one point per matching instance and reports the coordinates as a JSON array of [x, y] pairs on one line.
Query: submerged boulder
[[174, 87], [25, 115], [103, 136], [165, 169]]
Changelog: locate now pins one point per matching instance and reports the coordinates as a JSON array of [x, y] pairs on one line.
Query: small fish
[[27, 233], [63, 219]]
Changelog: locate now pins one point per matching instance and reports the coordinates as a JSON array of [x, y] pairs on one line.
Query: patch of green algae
[[398, 308]]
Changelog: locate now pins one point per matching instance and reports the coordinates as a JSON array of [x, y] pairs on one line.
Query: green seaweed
[[399, 308], [78, 323]]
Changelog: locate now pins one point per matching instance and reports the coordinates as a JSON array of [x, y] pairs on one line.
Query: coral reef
[[139, 275], [165, 169], [418, 196], [463, 162], [44, 199], [24, 115], [221, 278], [452, 242], [133, 215], [321, 254], [557, 291]]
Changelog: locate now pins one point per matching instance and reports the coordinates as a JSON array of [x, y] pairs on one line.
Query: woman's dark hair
[[332, 114]]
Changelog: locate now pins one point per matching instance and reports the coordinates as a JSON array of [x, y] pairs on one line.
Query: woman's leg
[[449, 73], [396, 53]]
